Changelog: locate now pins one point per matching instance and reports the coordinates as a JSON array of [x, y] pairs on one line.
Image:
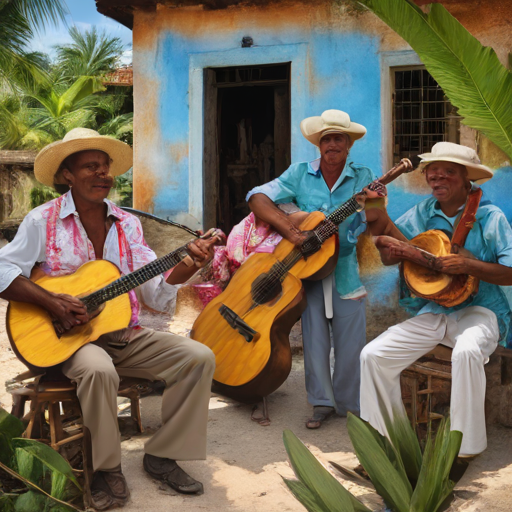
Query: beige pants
[[185, 365]]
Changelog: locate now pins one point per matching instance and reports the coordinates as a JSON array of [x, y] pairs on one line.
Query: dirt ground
[[246, 461]]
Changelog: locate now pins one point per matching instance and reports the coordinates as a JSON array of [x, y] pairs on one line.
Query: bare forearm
[[24, 290], [492, 273], [263, 207], [181, 274], [379, 223]]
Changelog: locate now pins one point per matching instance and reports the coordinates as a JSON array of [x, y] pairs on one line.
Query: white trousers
[[472, 333]]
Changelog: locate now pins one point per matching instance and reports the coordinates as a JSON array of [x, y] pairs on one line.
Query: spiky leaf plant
[[407, 480], [469, 73]]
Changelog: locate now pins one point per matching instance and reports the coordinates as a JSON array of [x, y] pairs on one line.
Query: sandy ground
[[246, 461]]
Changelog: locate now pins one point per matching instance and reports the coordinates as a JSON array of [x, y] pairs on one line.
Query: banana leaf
[[326, 490], [434, 485], [10, 427], [392, 484], [306, 497], [469, 73], [62, 474]]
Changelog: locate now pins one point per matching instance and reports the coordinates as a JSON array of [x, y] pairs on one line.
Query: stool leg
[[35, 426], [18, 406], [87, 466], [135, 409], [56, 430]]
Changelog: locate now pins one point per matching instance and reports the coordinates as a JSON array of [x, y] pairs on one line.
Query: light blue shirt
[[490, 240], [304, 185]]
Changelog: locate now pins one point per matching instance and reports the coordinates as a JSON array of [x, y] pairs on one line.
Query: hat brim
[[313, 129], [48, 160], [477, 173]]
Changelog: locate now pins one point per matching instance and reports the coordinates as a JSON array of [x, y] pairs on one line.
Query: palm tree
[[20, 19], [92, 53]]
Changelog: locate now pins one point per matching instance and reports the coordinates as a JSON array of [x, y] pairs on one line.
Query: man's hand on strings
[[452, 264], [67, 312], [201, 251]]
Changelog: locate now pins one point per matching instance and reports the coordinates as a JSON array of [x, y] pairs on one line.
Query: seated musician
[[474, 327], [80, 226], [337, 302]]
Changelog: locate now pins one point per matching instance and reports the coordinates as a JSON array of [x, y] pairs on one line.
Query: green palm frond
[[469, 73]]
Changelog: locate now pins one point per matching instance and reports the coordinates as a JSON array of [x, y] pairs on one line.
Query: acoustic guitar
[[100, 286], [248, 325]]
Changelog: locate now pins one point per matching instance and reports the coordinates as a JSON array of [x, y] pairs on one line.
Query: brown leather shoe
[[168, 471], [109, 490]]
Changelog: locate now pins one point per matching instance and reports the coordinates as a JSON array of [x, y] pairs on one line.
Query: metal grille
[[422, 115]]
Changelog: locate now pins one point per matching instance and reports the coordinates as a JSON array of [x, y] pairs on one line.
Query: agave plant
[[470, 74], [45, 477], [406, 479]]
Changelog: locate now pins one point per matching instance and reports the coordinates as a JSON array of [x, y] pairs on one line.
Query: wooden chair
[[57, 395], [426, 386]]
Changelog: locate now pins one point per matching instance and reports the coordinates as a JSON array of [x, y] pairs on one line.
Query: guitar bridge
[[237, 323]]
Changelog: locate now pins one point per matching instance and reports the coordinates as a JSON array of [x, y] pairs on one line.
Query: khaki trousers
[[185, 365]]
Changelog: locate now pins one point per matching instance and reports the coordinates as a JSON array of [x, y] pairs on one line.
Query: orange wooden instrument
[[248, 325], [98, 284]]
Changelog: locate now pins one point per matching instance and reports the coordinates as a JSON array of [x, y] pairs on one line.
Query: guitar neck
[[130, 281]]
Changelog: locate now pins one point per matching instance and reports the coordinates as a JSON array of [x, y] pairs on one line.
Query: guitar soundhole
[[265, 288]]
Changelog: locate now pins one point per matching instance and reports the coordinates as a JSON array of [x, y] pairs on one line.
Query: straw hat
[[48, 160], [331, 121], [450, 152]]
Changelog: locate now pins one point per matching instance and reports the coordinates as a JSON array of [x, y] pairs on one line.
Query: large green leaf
[[30, 502], [470, 74], [324, 487], [434, 485], [10, 427], [390, 483], [403, 437], [306, 497], [51, 459]]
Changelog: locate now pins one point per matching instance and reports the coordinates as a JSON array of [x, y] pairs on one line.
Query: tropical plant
[[92, 53], [47, 480], [20, 19], [470, 74], [406, 479]]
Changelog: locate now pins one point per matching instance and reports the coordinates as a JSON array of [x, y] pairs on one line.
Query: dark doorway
[[247, 136]]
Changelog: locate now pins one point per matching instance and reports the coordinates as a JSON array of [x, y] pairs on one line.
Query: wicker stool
[[426, 384]]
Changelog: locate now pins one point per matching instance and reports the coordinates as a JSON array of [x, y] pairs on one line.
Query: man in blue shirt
[[474, 327], [338, 302]]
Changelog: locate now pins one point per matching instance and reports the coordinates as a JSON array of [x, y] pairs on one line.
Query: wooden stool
[[59, 398], [427, 383]]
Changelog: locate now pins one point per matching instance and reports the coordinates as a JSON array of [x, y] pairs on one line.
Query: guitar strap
[[466, 219]]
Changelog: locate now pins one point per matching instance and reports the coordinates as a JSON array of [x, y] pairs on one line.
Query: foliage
[[470, 74], [406, 479], [122, 193], [41, 194], [48, 478], [20, 20]]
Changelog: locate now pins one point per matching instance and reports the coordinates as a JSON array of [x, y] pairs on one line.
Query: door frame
[[296, 54]]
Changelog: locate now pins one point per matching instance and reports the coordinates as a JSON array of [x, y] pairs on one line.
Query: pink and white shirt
[[53, 235]]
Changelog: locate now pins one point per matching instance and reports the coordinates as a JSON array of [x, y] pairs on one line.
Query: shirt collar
[[68, 206], [348, 170]]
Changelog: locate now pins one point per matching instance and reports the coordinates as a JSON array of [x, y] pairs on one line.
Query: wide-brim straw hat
[[331, 121], [48, 160], [451, 152]]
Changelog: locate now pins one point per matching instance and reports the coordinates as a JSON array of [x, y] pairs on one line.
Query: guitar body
[[30, 328], [249, 371]]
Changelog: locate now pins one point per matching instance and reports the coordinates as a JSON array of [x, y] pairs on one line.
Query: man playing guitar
[[80, 226]]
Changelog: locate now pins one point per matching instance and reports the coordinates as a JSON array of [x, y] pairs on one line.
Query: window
[[422, 114]]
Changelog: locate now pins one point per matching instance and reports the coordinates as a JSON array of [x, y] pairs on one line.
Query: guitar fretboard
[[130, 281]]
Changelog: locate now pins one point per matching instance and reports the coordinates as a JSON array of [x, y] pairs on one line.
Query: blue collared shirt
[[303, 184], [490, 240]]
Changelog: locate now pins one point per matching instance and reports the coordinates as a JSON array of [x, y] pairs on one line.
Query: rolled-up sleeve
[[27, 248], [280, 190]]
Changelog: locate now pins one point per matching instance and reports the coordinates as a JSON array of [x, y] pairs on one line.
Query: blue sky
[[84, 15]]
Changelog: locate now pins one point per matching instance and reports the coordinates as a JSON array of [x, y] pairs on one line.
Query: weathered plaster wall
[[339, 60]]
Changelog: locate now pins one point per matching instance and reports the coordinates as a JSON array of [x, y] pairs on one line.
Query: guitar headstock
[[404, 166]]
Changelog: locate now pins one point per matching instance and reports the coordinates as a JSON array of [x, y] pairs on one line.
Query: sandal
[[109, 490], [320, 414], [168, 471]]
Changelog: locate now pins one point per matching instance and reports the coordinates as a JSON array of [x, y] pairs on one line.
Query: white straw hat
[[450, 152], [331, 121], [48, 160]]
